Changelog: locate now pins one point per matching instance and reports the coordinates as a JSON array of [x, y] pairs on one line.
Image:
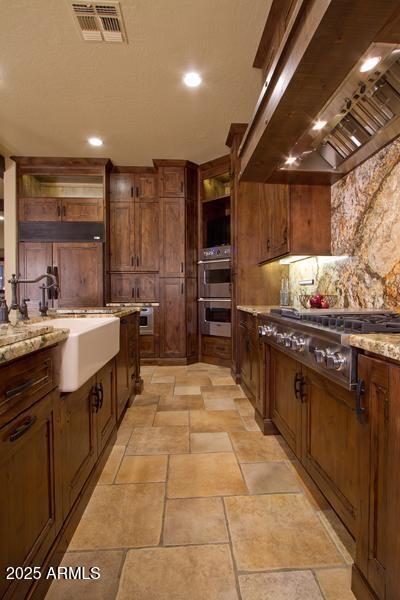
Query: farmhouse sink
[[90, 345]]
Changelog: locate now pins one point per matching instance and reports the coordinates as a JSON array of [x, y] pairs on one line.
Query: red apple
[[315, 301], [324, 304]]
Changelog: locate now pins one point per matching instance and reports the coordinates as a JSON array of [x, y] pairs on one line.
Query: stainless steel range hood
[[362, 116]]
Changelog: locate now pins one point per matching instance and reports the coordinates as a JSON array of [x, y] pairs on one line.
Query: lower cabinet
[[172, 318], [317, 419], [105, 404], [376, 570], [30, 488]]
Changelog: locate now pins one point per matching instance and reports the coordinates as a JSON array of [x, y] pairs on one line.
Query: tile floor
[[194, 502]]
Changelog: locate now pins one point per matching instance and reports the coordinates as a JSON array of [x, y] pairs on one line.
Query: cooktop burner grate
[[385, 322]]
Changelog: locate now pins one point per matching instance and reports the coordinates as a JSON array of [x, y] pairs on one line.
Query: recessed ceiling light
[[291, 160], [319, 125], [370, 63], [95, 141], [192, 79]]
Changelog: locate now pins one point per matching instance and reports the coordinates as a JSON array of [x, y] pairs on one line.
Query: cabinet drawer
[[219, 347], [25, 381]]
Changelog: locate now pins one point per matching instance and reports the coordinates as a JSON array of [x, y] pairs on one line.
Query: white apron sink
[[91, 343]]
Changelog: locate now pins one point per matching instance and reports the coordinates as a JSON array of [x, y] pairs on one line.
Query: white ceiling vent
[[99, 22]]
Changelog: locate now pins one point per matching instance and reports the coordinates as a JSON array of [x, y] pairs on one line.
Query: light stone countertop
[[256, 309], [22, 340], [383, 344]]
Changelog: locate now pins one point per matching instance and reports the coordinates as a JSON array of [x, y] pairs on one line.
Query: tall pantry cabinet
[[153, 240]]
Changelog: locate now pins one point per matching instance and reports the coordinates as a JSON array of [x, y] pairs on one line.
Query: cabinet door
[[123, 287], [274, 211], [173, 325], [373, 532], [146, 186], [147, 235], [285, 407], [172, 182], [173, 237], [329, 451], [122, 236], [146, 288], [30, 515], [107, 414], [244, 353], [122, 187], [40, 209], [79, 441], [80, 270], [34, 259], [82, 209], [122, 367], [254, 365]]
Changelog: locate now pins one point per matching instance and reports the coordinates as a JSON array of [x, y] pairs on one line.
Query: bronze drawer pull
[[23, 428], [24, 386]]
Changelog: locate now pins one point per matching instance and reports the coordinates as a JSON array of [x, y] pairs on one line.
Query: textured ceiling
[[57, 90]]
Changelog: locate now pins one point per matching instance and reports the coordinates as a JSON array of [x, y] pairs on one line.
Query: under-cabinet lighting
[[291, 259], [318, 125], [370, 63], [95, 141], [192, 79], [355, 140]]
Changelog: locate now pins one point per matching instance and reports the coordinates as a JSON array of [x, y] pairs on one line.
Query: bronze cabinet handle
[[296, 386], [10, 393], [97, 402], [23, 428]]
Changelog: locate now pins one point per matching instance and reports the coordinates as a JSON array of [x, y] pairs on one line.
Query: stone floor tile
[[124, 434], [121, 516], [210, 442], [244, 407], [195, 572], [222, 380], [163, 390], [212, 474], [223, 391], [163, 379], [194, 402], [171, 417], [219, 403], [215, 420], [139, 416], [142, 469], [340, 535], [109, 562], [269, 478], [277, 531], [187, 390], [194, 378], [159, 440], [250, 424], [336, 583], [146, 400], [289, 585], [194, 521], [255, 447], [112, 465]]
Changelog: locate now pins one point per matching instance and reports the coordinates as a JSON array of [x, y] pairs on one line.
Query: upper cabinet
[[134, 222], [326, 115], [294, 220], [172, 181]]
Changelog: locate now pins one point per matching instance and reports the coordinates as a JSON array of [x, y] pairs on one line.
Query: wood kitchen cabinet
[[294, 220], [80, 272], [249, 356], [376, 569], [134, 223], [172, 318], [129, 287], [61, 209], [107, 412], [172, 181], [173, 237], [30, 490]]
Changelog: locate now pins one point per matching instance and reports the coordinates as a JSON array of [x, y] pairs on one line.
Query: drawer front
[[219, 347], [25, 381]]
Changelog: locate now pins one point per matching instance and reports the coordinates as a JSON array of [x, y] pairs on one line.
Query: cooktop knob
[[319, 355], [287, 340], [280, 338], [335, 360], [297, 343]]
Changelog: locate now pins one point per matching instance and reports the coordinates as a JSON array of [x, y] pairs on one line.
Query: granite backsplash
[[365, 269]]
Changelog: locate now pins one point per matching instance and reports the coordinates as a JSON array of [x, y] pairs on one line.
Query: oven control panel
[[215, 253]]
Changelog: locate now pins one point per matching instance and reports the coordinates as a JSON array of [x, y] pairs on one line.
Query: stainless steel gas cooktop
[[320, 339]]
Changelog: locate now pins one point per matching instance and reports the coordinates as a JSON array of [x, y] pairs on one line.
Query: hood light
[[369, 64], [291, 160], [318, 125], [192, 79]]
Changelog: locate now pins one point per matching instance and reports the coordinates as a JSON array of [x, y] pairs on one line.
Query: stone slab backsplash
[[365, 238]]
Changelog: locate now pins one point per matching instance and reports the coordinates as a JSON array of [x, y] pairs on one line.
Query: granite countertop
[[256, 310], [101, 311], [21, 339], [133, 304], [383, 344]]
